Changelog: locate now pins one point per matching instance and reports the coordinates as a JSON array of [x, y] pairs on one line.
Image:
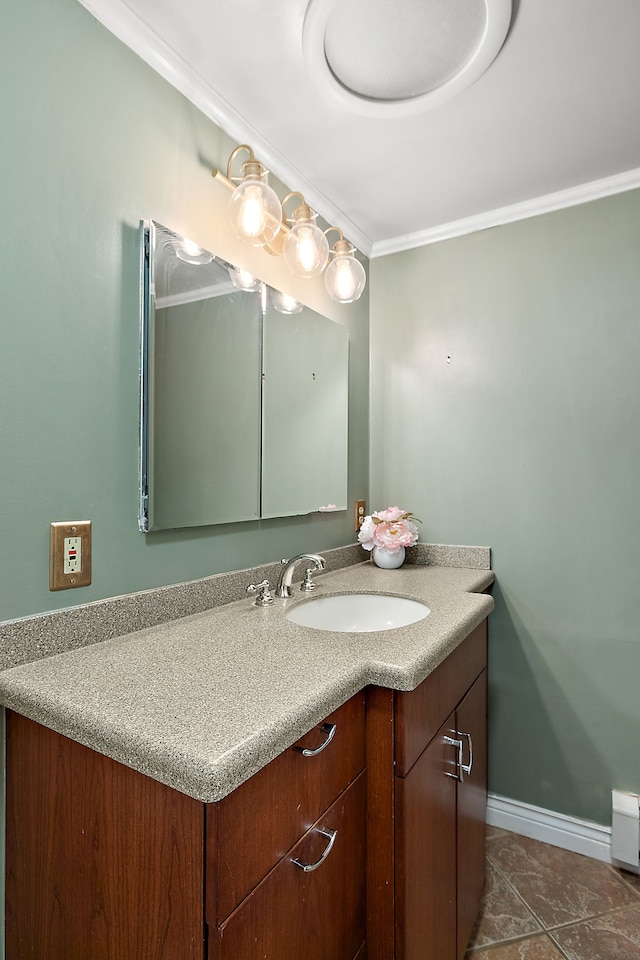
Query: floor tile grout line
[[478, 951], [556, 945], [550, 932], [625, 883], [507, 940], [518, 895], [592, 916], [566, 923]]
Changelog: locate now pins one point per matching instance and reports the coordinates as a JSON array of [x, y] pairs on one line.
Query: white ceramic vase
[[387, 560]]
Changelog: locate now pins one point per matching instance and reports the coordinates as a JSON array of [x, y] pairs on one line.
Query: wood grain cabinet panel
[[102, 862], [266, 815], [427, 871], [471, 717], [425, 863], [320, 915], [421, 712]]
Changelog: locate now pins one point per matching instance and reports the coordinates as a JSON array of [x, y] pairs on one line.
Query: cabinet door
[[471, 725], [318, 915], [426, 854], [103, 863]]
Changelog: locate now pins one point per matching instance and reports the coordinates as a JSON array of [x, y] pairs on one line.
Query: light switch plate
[[70, 555]]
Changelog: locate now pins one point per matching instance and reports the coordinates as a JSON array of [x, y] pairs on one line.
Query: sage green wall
[[93, 141], [505, 401]]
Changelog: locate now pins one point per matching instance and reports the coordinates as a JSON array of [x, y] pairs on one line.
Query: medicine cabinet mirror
[[243, 409]]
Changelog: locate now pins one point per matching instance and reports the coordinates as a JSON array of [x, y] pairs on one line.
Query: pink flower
[[366, 533], [391, 514], [391, 528]]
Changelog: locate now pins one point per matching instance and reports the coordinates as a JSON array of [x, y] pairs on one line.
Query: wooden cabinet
[[103, 862], [427, 881], [307, 807], [471, 717], [269, 813], [316, 915]]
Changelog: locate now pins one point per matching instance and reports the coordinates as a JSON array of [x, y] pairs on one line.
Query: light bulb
[[306, 253], [190, 252], [283, 303], [305, 248], [255, 213], [251, 218], [242, 279], [345, 277]]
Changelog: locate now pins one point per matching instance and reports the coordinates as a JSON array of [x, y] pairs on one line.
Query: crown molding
[[120, 20], [617, 183], [128, 27]]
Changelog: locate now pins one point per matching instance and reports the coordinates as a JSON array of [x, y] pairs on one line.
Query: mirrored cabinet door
[[304, 423], [205, 412], [243, 407]]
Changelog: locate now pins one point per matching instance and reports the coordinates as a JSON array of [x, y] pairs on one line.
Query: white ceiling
[[554, 120]]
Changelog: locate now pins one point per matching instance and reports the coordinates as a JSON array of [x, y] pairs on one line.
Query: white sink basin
[[358, 612]]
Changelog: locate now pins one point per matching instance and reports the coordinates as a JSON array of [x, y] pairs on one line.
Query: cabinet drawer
[[319, 915], [421, 712], [266, 815]]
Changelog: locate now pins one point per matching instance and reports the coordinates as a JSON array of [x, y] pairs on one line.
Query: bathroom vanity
[[362, 837]]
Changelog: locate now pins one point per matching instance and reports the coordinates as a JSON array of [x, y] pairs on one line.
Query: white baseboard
[[579, 836]]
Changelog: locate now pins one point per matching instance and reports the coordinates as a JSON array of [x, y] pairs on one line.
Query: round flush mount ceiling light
[[386, 58]]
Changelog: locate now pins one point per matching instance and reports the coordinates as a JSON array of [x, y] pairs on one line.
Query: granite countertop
[[204, 702]]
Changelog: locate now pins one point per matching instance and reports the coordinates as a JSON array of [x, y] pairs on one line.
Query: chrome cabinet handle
[[466, 767], [308, 867], [454, 742], [330, 730]]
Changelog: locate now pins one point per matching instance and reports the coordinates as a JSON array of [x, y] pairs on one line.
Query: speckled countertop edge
[[204, 702]]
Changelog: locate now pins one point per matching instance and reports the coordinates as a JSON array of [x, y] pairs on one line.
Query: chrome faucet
[[283, 588]]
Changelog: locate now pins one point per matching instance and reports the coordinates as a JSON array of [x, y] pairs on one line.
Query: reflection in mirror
[[202, 435], [304, 421], [243, 406]]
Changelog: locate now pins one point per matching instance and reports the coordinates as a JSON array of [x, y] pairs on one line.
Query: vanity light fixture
[[255, 213], [345, 276], [258, 218], [305, 248]]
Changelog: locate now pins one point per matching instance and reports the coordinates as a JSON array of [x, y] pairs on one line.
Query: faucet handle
[[308, 583], [263, 589]]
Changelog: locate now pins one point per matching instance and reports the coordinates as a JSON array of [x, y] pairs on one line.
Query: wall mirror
[[243, 411]]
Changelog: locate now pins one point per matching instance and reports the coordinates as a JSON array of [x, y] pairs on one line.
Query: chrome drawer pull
[[466, 767], [330, 730], [308, 867], [458, 745]]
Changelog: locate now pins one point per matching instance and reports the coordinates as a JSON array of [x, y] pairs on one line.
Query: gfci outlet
[[70, 555]]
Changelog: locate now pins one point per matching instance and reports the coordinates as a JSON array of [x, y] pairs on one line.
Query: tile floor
[[543, 903]]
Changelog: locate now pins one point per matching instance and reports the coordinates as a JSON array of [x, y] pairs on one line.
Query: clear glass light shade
[[255, 213], [345, 278], [283, 303], [242, 279], [306, 250], [190, 252]]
